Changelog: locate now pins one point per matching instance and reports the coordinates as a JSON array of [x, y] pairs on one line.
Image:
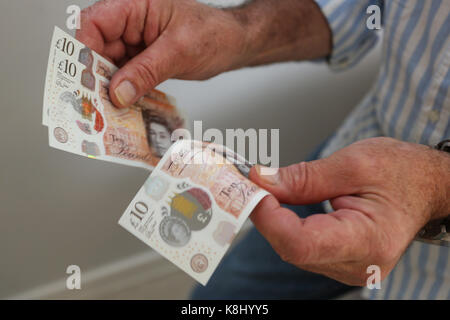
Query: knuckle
[[146, 73], [296, 177], [188, 53], [179, 40], [363, 161], [363, 164], [372, 153]]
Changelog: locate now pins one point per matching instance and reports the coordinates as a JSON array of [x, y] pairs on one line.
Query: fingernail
[[268, 175], [125, 93]]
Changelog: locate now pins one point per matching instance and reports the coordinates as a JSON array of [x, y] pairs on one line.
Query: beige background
[[58, 209]]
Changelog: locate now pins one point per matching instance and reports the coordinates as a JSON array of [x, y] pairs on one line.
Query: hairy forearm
[[283, 30]]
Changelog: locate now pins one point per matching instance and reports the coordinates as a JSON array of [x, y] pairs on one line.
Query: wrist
[[276, 31], [441, 162], [437, 230]]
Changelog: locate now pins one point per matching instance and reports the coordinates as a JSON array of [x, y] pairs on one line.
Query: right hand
[[154, 40]]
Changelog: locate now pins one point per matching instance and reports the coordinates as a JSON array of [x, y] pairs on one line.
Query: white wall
[[58, 209]]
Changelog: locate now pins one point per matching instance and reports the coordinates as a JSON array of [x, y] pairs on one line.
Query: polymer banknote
[[192, 205], [82, 119]]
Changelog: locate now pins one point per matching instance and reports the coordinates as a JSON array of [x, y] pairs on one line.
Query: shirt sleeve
[[352, 39]]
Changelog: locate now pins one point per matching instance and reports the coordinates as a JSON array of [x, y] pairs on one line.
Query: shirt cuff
[[352, 39]]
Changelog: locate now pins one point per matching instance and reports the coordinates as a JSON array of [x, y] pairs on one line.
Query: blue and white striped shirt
[[410, 101]]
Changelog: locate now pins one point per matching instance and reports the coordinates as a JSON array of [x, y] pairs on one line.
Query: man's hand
[[157, 39], [383, 192], [153, 40]]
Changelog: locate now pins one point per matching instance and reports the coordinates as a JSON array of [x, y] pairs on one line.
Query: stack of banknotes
[[197, 196]]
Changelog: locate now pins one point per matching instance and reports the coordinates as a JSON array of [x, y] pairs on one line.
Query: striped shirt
[[410, 101]]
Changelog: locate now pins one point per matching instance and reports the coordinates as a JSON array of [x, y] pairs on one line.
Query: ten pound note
[[192, 206], [81, 118], [198, 196]]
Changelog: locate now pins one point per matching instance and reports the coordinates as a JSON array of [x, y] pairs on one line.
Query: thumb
[[306, 182], [142, 73]]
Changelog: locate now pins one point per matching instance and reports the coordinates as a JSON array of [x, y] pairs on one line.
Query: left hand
[[383, 192]]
